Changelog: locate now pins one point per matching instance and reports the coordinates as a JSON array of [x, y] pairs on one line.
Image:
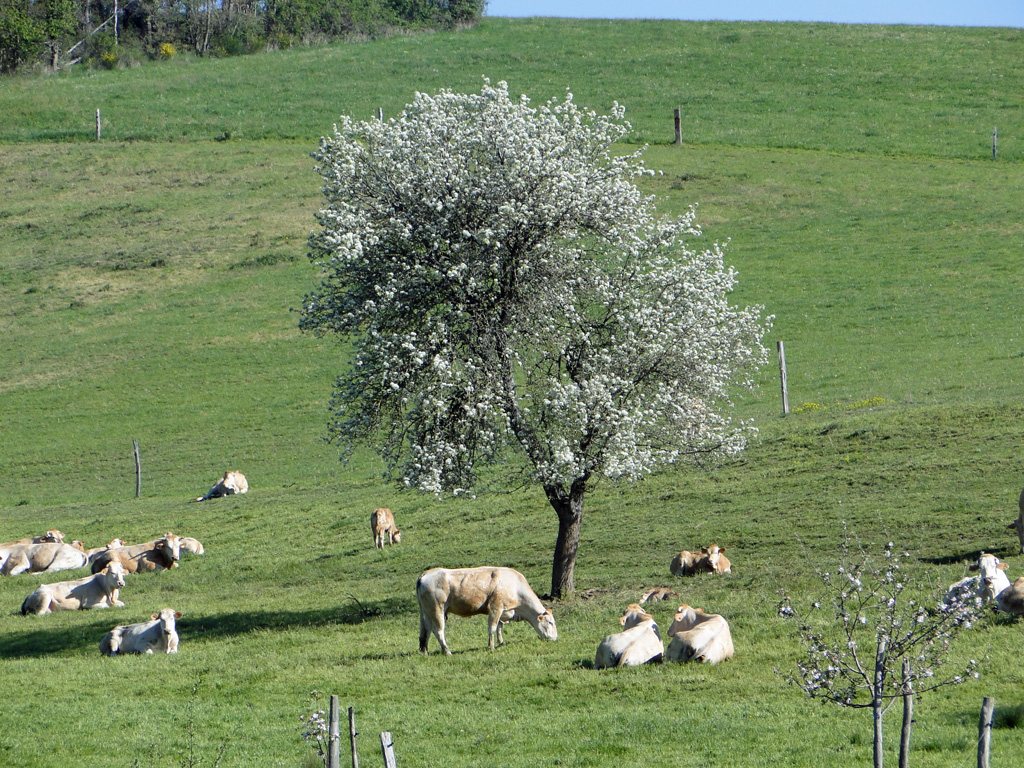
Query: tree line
[[56, 34]]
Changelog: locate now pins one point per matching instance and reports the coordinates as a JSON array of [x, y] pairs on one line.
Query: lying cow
[[501, 593], [1011, 599], [658, 593], [1018, 524], [233, 482], [94, 552], [709, 560], [12, 547], [382, 524], [155, 555], [97, 591], [192, 546], [987, 585], [159, 635], [699, 636], [639, 642], [44, 558]]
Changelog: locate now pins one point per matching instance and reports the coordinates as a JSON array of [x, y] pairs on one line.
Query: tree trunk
[[908, 716], [569, 508], [877, 702]]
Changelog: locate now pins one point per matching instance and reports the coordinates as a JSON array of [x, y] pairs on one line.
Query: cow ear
[[622, 621], [155, 616], [704, 550], [177, 614], [1002, 567], [721, 549], [973, 567]]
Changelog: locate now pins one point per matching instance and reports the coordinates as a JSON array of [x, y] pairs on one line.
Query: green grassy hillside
[[147, 287]]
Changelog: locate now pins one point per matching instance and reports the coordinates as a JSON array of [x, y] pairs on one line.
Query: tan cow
[[233, 482], [501, 593], [44, 558], [1011, 599], [639, 642], [95, 552], [658, 593], [155, 555], [12, 547], [699, 636], [159, 635], [709, 560], [382, 524], [1018, 524], [97, 591]]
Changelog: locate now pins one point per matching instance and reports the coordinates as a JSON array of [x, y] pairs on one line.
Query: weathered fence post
[[782, 377], [380, 114], [333, 736], [138, 462], [388, 747], [985, 731], [97, 125], [994, 137], [679, 125], [352, 735]]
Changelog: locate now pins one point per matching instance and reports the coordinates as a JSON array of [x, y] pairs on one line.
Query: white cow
[[501, 593], [233, 482], [699, 636], [44, 558], [159, 635], [193, 546], [639, 642], [987, 585], [97, 591]]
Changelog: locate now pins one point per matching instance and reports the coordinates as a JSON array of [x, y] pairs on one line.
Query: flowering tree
[[508, 289], [878, 645]]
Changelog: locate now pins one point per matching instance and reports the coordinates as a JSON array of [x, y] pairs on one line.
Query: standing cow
[[501, 593], [382, 524]]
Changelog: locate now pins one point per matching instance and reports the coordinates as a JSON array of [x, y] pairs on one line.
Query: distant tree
[[870, 644], [509, 290], [21, 36]]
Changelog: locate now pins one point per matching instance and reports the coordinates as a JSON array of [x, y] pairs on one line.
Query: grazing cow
[[46, 557], [1011, 599], [233, 482], [501, 593], [1018, 524], [155, 555], [159, 635], [382, 523], [987, 585], [699, 636], [658, 593], [709, 560], [97, 591], [639, 643]]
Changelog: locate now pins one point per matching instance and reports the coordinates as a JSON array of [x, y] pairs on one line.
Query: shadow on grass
[[969, 557], [39, 640]]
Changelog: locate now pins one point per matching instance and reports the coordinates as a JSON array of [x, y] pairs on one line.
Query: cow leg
[[424, 631], [172, 643], [16, 564]]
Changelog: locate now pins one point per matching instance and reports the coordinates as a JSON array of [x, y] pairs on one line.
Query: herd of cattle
[[500, 593]]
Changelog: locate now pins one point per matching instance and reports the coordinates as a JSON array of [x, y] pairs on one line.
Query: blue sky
[[960, 13]]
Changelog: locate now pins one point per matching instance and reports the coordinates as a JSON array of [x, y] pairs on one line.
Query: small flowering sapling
[[316, 729], [869, 643], [508, 290]]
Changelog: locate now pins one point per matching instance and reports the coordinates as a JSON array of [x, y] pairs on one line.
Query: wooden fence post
[[782, 377], [994, 136], [138, 460], [388, 747], [380, 114], [333, 736], [97, 125], [352, 735], [985, 731], [679, 125]]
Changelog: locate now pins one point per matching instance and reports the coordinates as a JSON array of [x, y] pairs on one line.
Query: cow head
[[170, 544], [714, 556], [78, 545], [546, 626], [52, 535], [167, 617], [685, 619], [115, 573], [398, 536], [634, 615]]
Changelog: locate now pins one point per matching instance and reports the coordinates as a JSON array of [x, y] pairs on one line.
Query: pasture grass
[[148, 283]]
